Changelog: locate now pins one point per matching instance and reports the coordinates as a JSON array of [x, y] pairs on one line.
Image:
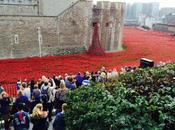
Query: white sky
[[163, 3]]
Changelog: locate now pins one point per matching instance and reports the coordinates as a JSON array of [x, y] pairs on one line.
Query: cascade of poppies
[[95, 48]]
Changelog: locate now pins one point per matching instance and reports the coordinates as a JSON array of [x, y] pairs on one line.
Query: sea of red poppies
[[149, 44]]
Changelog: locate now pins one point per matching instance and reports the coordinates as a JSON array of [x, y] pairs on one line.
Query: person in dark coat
[[21, 119], [39, 118], [59, 123], [79, 79], [5, 110], [24, 100], [36, 98]]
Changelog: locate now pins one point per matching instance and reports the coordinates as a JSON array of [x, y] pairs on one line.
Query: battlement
[[18, 2], [107, 5]]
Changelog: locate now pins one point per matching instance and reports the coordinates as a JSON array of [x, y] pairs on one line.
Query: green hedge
[[143, 100]]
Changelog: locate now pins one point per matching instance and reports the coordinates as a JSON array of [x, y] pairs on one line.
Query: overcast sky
[[163, 3]]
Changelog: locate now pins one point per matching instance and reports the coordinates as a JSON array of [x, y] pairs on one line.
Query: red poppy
[[149, 44]]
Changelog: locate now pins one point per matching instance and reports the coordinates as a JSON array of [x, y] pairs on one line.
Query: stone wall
[[54, 7], [71, 32], [164, 28], [75, 25], [18, 10], [20, 7], [19, 35]]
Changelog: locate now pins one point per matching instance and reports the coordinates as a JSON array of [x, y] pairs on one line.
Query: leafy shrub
[[141, 100]]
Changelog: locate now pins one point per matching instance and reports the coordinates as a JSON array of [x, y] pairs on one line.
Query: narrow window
[[16, 39]]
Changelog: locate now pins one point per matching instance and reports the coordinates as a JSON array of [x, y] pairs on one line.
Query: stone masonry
[[70, 32]]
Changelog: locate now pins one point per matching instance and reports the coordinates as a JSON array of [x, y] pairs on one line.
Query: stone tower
[[111, 24]]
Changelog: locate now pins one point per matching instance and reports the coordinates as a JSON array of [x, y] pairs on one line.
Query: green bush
[[143, 100]]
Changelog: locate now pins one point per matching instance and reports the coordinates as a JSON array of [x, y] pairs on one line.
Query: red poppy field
[[149, 44]]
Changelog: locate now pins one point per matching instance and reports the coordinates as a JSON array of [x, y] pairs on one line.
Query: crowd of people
[[36, 100]]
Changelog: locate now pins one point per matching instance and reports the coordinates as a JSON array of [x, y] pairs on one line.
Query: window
[[16, 39]]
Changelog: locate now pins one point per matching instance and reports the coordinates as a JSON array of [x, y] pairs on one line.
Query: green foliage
[[124, 46], [143, 100], [88, 108]]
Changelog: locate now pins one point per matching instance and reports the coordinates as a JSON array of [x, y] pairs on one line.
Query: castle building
[[52, 27]]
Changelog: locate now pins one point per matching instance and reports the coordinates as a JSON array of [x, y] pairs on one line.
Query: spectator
[[1, 90], [86, 81], [103, 76], [70, 83], [18, 85], [79, 79], [59, 96], [40, 83], [24, 100], [5, 110], [59, 123], [21, 119], [56, 80], [32, 83], [35, 97], [114, 73], [39, 118], [23, 86], [36, 93], [66, 76], [109, 74], [93, 77], [47, 98], [27, 92]]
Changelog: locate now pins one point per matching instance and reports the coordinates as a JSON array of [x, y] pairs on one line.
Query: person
[[18, 85], [22, 99], [46, 95], [27, 92], [5, 110], [45, 92], [79, 80], [56, 80], [21, 119], [114, 73], [32, 84], [23, 86], [36, 94], [86, 81], [39, 118], [35, 97], [70, 83], [1, 90], [59, 96], [103, 76], [109, 74], [59, 123]]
